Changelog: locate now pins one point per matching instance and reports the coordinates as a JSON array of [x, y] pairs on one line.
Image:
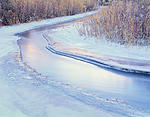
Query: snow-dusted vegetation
[[125, 22]]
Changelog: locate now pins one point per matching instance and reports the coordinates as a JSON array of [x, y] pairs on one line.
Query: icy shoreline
[[70, 36]]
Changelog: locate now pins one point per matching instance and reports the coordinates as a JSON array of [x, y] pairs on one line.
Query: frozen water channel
[[109, 92]]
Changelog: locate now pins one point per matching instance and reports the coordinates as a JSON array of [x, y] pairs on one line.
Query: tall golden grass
[[20, 11], [125, 22]]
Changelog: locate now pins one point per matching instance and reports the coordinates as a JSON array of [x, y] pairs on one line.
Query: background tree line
[[21, 11]]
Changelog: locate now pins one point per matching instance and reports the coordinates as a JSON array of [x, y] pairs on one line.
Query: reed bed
[[125, 22]]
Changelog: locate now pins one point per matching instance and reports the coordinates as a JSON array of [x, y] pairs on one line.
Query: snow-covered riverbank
[[130, 59]]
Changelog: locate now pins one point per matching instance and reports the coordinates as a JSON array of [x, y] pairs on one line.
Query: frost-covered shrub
[[125, 22]]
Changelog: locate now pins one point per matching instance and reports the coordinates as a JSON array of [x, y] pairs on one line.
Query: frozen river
[[104, 90]]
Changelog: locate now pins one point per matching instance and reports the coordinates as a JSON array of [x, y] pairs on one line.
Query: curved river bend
[[126, 94]]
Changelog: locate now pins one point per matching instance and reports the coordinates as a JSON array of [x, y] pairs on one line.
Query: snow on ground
[[70, 35], [25, 94]]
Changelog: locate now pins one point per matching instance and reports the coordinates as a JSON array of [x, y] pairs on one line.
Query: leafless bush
[[124, 22], [20, 11]]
